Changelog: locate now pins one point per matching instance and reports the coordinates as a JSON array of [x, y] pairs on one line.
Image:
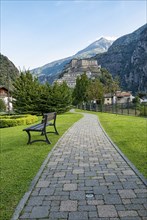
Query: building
[[76, 67], [6, 97], [118, 97]]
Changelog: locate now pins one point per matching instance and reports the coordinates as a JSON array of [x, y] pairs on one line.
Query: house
[[123, 97], [6, 97], [119, 97], [108, 99], [3, 92]]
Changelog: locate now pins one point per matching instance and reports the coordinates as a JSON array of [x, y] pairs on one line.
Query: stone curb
[[26, 196]]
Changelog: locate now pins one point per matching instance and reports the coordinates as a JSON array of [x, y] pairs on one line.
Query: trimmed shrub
[[15, 120]]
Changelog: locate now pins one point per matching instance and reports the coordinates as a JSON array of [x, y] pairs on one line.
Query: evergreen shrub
[[15, 120]]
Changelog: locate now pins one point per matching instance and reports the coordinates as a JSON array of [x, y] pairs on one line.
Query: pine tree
[[25, 93], [61, 97]]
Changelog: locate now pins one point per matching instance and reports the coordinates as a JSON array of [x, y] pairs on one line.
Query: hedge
[[15, 120]]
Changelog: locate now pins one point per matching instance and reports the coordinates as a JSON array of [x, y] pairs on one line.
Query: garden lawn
[[129, 133], [20, 162]]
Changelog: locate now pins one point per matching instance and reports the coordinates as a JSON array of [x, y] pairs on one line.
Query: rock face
[[8, 72], [51, 71], [127, 58]]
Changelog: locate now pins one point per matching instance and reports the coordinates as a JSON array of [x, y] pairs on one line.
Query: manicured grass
[[20, 162], [129, 133]]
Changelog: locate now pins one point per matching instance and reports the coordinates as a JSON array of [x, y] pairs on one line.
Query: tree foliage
[[80, 90], [25, 93], [32, 97], [95, 90], [110, 85]]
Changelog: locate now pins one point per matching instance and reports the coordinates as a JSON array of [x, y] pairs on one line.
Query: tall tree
[[80, 90], [95, 90], [61, 97], [25, 93], [44, 99]]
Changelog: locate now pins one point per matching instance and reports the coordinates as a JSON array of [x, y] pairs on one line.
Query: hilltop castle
[[76, 67]]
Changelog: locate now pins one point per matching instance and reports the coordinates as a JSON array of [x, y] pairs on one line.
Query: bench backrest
[[48, 117]]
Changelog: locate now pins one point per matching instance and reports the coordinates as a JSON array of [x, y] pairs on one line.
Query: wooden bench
[[49, 119]]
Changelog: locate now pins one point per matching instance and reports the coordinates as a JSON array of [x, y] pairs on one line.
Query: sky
[[34, 33]]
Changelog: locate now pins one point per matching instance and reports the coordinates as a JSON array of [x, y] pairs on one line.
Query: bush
[[15, 120]]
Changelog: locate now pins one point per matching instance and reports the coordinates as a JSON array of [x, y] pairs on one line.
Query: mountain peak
[[99, 46]]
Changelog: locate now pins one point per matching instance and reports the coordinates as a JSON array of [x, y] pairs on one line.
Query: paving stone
[[43, 183], [100, 190], [39, 212], [142, 213], [68, 205], [70, 187], [128, 172], [87, 208], [47, 191], [112, 199], [92, 214], [60, 174], [107, 211], [58, 215], [126, 194], [78, 216], [78, 171], [91, 182], [35, 200], [127, 213], [77, 195], [95, 202]]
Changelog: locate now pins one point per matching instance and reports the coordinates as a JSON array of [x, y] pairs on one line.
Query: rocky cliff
[[127, 58]]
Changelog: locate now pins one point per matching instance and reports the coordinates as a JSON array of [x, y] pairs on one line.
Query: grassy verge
[[129, 133], [20, 162]]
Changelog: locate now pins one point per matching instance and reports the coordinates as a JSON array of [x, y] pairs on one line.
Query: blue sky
[[34, 33]]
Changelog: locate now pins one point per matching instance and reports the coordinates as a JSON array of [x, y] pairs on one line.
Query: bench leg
[[29, 137], [55, 129], [47, 140]]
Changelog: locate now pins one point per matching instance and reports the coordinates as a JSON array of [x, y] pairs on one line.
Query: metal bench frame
[[49, 119]]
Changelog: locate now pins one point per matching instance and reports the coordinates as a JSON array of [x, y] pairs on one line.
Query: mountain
[[8, 72], [127, 58], [51, 71], [99, 46]]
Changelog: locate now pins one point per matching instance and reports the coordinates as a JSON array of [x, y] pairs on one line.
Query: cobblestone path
[[86, 178]]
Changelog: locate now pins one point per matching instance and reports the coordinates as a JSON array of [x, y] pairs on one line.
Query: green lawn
[[129, 133], [20, 162]]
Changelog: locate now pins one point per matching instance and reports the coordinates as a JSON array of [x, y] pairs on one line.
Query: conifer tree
[[25, 93], [61, 97]]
